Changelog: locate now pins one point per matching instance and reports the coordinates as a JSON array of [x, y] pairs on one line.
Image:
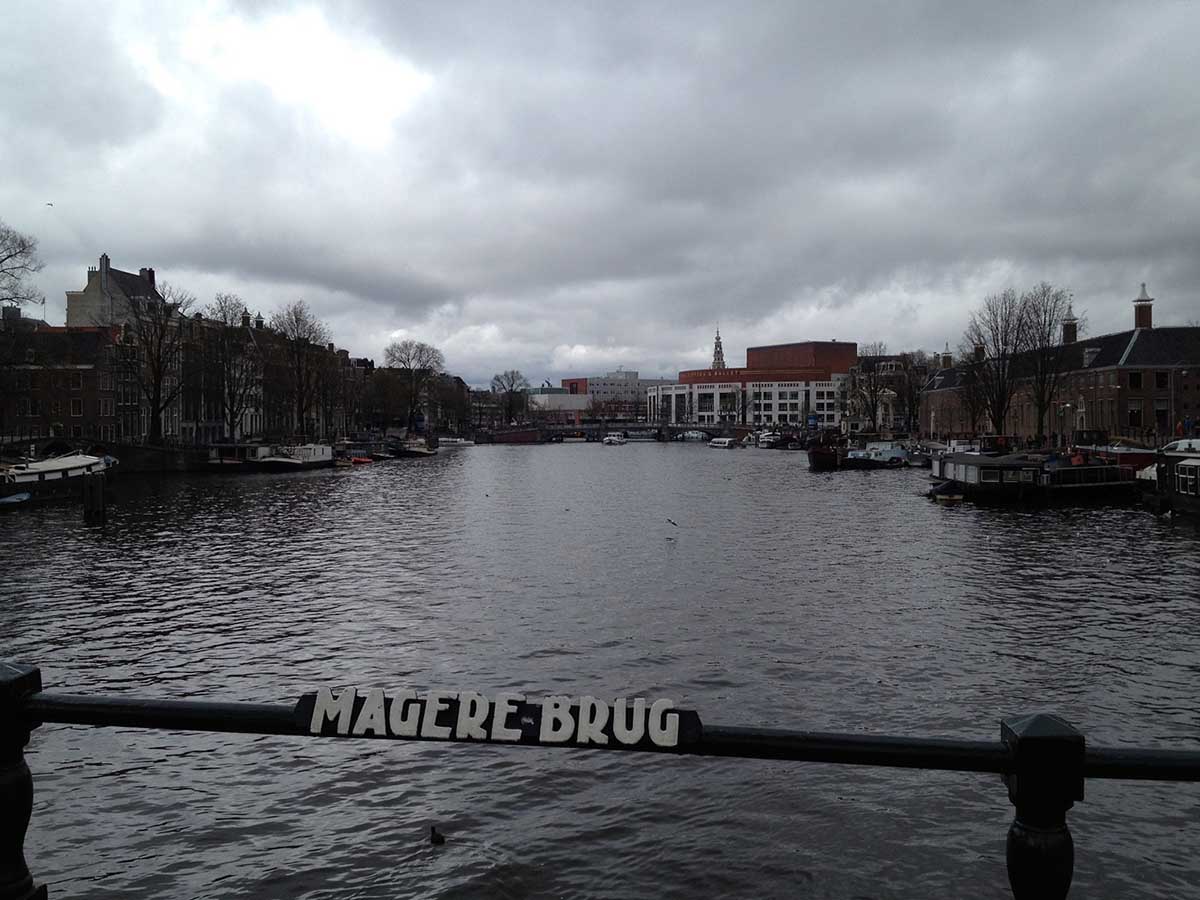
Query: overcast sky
[[566, 188]]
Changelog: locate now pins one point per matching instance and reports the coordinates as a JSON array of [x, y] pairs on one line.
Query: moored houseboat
[[1031, 478], [296, 457], [876, 455], [826, 458], [237, 457], [60, 476], [1179, 477]]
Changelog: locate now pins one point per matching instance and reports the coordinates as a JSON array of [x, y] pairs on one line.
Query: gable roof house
[[1143, 383]]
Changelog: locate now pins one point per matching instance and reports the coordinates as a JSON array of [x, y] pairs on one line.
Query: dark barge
[[1032, 478], [1178, 473]]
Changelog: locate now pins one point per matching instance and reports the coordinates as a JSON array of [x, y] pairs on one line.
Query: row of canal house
[[1143, 383], [789, 384], [78, 380]]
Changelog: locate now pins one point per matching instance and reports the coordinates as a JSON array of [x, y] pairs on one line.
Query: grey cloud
[[620, 178]]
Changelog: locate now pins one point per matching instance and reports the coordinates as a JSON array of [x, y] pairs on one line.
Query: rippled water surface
[[785, 598]]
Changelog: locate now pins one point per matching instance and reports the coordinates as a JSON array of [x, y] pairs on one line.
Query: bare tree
[[234, 359], [596, 408], [18, 262], [914, 372], [452, 402], [330, 375], [304, 339], [1045, 308], [151, 350], [385, 398], [996, 332], [869, 380], [354, 387], [510, 385], [970, 392], [419, 364]]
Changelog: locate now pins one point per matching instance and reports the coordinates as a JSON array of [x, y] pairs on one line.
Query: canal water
[[779, 597]]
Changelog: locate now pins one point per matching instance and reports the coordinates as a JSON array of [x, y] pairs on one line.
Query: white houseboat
[[295, 457], [60, 476]]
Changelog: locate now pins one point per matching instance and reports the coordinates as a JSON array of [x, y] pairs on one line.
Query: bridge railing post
[[16, 783], [1045, 781]]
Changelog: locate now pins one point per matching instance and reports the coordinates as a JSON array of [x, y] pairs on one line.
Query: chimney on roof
[[245, 317], [947, 357], [147, 276], [1070, 327], [1143, 310], [258, 321], [979, 353], [329, 347], [104, 272]]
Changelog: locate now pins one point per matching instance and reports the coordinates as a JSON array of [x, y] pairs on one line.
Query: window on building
[[76, 381], [1135, 381], [77, 406], [1160, 380], [56, 407], [1133, 412], [705, 403], [106, 406]]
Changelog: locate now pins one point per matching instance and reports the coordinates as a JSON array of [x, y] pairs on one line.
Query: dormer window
[[29, 357], [1089, 355]]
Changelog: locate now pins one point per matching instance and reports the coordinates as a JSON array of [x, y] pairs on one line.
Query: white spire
[[718, 353]]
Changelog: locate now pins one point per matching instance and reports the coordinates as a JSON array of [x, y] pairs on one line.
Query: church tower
[[718, 354]]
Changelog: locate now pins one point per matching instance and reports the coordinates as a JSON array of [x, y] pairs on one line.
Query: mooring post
[[16, 783], [93, 498], [1045, 781]]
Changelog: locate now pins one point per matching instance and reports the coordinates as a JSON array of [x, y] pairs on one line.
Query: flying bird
[[49, 204], [672, 521]]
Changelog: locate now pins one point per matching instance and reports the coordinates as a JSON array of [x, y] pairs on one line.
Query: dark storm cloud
[[580, 186]]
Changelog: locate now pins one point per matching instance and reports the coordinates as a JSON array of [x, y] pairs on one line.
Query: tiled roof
[[1166, 347], [132, 285], [1140, 347]]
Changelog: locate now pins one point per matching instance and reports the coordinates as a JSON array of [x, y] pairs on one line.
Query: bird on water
[[436, 837]]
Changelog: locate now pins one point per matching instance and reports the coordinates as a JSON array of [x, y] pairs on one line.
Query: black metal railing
[[1042, 758]]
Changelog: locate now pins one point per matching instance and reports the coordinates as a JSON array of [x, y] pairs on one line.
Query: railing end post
[[1044, 782], [17, 681]]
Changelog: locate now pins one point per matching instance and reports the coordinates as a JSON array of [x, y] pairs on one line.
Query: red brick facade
[[807, 361]]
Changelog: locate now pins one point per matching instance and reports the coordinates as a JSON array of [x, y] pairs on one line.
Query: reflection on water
[[840, 601]]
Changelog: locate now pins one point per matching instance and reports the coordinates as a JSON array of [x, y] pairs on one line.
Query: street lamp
[[1062, 413]]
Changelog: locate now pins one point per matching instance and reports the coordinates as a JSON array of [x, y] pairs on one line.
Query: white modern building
[[804, 384]]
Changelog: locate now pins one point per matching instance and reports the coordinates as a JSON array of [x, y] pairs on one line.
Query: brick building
[[54, 381], [1143, 383]]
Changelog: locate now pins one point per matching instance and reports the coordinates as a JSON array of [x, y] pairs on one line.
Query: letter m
[[338, 711]]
